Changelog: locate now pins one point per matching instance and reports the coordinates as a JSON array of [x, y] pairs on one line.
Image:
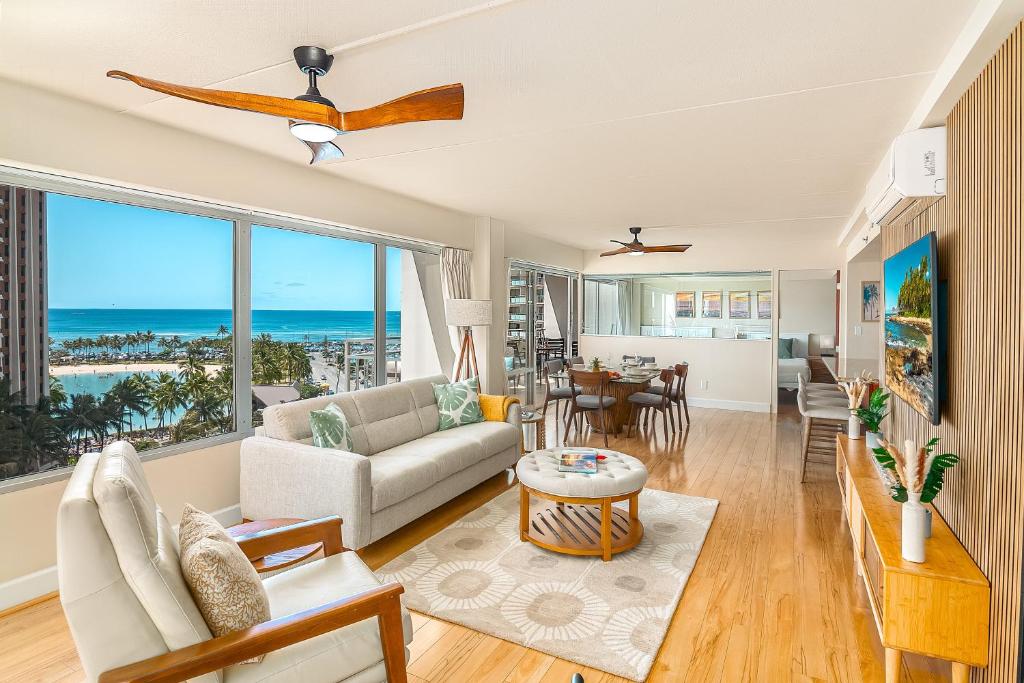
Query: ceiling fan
[[637, 248], [313, 118]]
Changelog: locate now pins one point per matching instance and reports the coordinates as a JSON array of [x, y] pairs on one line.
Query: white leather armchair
[[133, 618]]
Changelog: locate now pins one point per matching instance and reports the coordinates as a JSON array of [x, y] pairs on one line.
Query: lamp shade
[[467, 312]]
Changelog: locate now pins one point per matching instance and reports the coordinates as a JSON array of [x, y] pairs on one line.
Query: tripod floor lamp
[[467, 314]]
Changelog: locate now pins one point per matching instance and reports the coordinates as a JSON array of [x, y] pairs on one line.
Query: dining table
[[620, 388]]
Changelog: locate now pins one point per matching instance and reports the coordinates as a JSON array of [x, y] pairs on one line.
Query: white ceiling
[[582, 117]]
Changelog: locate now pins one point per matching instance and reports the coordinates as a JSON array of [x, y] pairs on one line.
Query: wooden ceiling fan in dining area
[[638, 248], [312, 118]]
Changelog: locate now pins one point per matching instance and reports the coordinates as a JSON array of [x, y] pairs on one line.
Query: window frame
[[243, 219]]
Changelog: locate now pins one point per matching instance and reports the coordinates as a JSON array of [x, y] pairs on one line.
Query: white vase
[[853, 427], [914, 527], [871, 439]]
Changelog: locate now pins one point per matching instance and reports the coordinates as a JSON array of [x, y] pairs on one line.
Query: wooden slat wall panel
[[978, 225]]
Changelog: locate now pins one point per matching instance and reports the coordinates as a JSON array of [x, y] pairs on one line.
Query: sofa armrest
[[515, 415], [288, 479]]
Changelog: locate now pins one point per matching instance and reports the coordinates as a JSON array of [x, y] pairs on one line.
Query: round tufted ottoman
[[572, 513]]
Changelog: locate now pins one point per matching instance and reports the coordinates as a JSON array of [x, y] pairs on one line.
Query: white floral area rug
[[611, 616]]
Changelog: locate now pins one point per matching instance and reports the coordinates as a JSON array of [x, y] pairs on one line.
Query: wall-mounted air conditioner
[[917, 177]]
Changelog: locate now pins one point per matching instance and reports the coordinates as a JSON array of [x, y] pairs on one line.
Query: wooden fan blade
[[444, 103], [312, 112], [616, 252], [676, 248], [323, 151]]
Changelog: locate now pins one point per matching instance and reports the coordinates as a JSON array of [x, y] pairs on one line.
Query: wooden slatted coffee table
[[572, 513]]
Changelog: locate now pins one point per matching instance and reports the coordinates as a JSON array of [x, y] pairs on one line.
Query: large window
[[149, 319], [711, 305], [117, 324]]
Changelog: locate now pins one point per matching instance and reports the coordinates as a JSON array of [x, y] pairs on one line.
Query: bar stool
[[828, 419]]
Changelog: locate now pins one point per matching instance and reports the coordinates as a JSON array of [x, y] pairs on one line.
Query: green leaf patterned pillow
[[458, 403], [330, 428]]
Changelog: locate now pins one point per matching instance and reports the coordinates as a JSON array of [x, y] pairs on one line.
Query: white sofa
[[401, 466]]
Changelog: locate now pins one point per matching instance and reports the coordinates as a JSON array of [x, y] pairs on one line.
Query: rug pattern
[[611, 616]]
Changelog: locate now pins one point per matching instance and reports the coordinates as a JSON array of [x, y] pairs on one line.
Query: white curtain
[[455, 280]]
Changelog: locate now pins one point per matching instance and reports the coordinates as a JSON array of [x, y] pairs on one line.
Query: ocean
[[292, 326]]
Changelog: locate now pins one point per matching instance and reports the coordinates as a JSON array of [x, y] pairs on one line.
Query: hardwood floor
[[773, 596]]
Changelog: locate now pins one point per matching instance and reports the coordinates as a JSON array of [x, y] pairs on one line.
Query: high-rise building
[[24, 344]]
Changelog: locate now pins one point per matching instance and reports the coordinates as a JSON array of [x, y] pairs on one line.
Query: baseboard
[[723, 404], [25, 589]]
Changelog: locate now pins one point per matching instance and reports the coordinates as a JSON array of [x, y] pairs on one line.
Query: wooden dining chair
[[677, 393], [645, 401], [557, 393], [582, 402]]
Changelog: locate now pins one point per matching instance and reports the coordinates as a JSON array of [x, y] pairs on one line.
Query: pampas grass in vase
[[856, 389], [920, 473]]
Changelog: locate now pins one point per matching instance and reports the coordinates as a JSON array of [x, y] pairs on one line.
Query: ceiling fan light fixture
[[312, 132], [635, 253]]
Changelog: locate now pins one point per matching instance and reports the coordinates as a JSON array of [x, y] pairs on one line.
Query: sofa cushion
[[333, 656], [290, 421], [146, 546], [407, 469], [397, 413], [492, 437]]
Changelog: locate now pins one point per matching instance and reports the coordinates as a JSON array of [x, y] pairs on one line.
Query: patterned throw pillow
[[330, 428], [224, 584], [458, 403]]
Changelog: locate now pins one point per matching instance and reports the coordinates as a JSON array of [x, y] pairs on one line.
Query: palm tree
[[113, 414], [80, 417], [57, 393], [167, 396], [222, 331], [297, 360], [191, 367], [148, 337], [132, 399], [146, 385]]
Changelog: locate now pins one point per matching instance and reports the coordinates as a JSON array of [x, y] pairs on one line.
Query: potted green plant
[[920, 473], [872, 415], [595, 364]]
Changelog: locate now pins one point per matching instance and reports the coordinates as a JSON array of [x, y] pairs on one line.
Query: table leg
[[961, 673], [606, 529], [524, 512], [634, 505], [892, 665]]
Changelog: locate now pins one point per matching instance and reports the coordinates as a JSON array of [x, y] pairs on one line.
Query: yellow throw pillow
[[224, 584]]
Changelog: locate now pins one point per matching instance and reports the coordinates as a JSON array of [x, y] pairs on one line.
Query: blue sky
[[897, 265], [104, 255]]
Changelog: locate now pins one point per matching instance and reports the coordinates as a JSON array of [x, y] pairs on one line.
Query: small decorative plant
[[919, 472], [595, 364], [875, 411]]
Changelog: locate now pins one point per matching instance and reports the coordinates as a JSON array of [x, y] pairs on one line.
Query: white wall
[[738, 372], [861, 342], [426, 346], [807, 305]]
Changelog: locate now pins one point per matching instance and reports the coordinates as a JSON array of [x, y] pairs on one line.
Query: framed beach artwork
[[711, 304], [764, 304], [871, 301], [686, 306], [739, 305], [913, 365]]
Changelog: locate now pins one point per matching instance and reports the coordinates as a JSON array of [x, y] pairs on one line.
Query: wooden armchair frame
[[382, 602]]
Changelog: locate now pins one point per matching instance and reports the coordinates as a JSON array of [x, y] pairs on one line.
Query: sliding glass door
[[542, 319]]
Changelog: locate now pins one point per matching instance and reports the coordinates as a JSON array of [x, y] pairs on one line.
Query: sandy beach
[[58, 370]]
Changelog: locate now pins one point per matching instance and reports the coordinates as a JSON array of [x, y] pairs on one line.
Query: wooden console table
[[938, 608]]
